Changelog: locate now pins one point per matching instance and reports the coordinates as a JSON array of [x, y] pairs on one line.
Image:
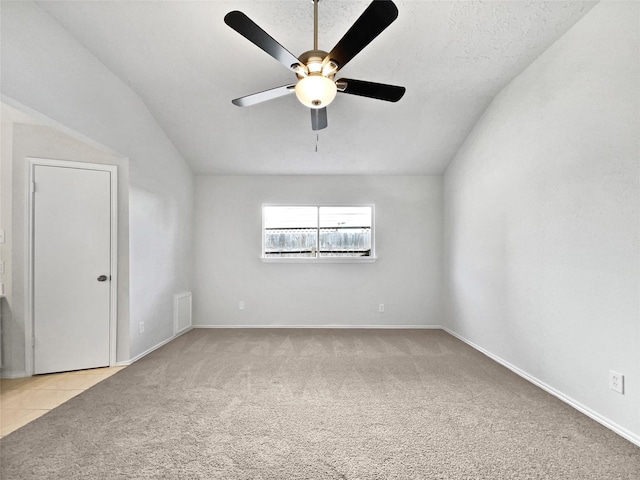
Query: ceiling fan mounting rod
[[315, 24]]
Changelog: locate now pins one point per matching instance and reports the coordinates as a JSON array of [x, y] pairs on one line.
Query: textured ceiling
[[186, 64]]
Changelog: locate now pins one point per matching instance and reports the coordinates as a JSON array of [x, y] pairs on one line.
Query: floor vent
[[181, 312]]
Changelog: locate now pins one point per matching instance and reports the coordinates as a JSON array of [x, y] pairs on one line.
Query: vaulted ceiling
[[187, 65]]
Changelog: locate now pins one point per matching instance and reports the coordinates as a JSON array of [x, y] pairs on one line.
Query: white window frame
[[318, 259]]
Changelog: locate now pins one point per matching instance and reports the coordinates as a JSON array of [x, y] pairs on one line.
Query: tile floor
[[25, 399]]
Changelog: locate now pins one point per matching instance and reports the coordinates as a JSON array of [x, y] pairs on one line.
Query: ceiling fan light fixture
[[316, 91]]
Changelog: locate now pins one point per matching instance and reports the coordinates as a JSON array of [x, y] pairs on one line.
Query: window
[[317, 232]]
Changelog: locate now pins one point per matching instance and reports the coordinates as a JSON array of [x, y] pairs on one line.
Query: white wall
[[47, 70], [8, 117], [406, 277], [541, 219]]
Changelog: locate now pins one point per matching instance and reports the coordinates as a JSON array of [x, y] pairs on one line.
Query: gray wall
[[46, 69], [407, 276], [541, 219]]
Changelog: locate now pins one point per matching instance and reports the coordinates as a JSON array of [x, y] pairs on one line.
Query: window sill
[[319, 260]]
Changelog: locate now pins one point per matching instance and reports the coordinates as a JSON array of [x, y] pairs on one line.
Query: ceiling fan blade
[[378, 16], [252, 32], [318, 118], [264, 96], [380, 91]]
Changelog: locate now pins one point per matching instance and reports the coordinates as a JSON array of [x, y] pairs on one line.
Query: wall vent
[[181, 312]]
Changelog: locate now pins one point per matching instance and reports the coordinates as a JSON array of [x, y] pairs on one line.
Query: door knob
[[102, 278]]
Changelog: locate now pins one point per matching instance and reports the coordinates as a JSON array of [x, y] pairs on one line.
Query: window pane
[[345, 231], [290, 231]]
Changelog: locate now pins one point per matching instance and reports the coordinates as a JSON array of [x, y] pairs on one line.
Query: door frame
[[29, 338]]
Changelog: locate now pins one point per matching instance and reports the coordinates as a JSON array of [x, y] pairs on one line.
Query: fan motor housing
[[314, 61]]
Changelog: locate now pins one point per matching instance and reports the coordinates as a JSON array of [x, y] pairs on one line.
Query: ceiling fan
[[316, 69]]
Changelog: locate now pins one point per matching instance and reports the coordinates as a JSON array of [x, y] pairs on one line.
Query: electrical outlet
[[381, 307], [241, 305], [141, 327], [616, 382]]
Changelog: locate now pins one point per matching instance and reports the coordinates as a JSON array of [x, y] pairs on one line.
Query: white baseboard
[[623, 432], [327, 327], [184, 330], [161, 344]]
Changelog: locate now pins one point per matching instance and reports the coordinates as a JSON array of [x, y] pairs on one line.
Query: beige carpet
[[316, 404]]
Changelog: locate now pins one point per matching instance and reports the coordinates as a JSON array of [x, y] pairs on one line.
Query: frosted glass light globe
[[316, 91]]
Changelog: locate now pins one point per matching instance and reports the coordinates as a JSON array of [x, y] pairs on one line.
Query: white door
[[71, 262]]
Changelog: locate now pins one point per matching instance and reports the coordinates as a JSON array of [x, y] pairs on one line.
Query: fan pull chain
[[317, 138]]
